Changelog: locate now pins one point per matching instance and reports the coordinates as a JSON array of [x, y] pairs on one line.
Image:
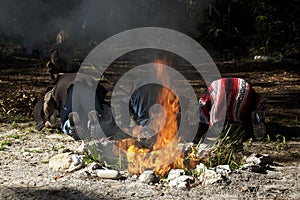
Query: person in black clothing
[[141, 100], [144, 107]]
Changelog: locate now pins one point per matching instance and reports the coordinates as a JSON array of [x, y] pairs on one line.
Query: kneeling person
[[82, 118], [243, 105], [145, 110]]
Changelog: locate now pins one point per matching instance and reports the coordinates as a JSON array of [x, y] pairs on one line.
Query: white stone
[[60, 162], [149, 177], [275, 188], [76, 164], [209, 177], [223, 169], [175, 173], [257, 163], [93, 166], [200, 168], [108, 173], [181, 182], [182, 185], [253, 159], [66, 162]]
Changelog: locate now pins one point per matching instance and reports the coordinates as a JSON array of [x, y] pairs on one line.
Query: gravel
[[25, 174]]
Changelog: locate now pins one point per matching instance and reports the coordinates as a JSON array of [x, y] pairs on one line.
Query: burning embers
[[161, 152]]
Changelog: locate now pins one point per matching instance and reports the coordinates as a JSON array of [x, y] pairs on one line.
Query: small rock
[[60, 162], [209, 177], [259, 159], [181, 182], [148, 177], [182, 185], [77, 163], [132, 177], [175, 173], [257, 163], [66, 162], [27, 154], [254, 168], [223, 169], [200, 168], [93, 166], [108, 173]]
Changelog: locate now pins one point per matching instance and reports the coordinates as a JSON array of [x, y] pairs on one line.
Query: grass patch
[[14, 136], [14, 119], [276, 143], [87, 159], [95, 154], [2, 148], [4, 145], [226, 148], [7, 143], [30, 129]]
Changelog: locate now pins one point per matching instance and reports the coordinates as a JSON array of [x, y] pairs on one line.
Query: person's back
[[241, 101], [147, 107], [142, 99]]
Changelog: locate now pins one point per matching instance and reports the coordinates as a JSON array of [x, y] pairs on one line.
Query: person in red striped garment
[[234, 99]]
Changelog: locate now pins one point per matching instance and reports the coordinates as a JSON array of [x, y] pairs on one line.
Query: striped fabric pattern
[[228, 98]]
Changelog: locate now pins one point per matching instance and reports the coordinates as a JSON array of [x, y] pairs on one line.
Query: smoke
[[37, 22]]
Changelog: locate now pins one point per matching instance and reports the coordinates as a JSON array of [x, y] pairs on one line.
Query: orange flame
[[165, 153], [170, 104]]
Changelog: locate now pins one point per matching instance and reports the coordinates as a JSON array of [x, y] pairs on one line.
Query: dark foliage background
[[236, 28], [226, 28]]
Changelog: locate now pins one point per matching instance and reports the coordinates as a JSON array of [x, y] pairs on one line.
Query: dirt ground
[[24, 152]]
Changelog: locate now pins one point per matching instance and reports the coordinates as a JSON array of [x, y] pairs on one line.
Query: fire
[[165, 153], [170, 103]]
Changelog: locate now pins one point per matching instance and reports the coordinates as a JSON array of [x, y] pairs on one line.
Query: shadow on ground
[[30, 193]]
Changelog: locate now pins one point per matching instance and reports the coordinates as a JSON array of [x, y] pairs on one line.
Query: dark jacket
[[56, 98], [142, 99]]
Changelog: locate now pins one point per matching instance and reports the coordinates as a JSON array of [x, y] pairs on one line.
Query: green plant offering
[[224, 151]]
